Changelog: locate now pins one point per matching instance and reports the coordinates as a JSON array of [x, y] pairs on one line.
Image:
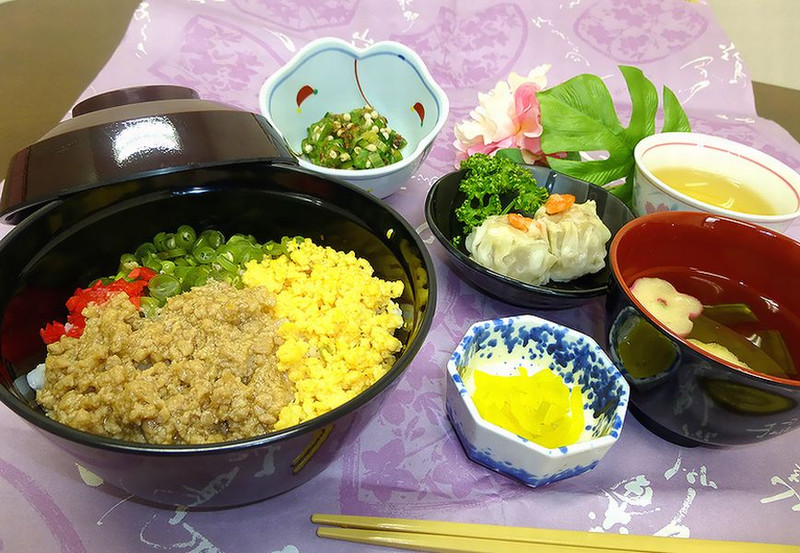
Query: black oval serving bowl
[[71, 241], [443, 199]]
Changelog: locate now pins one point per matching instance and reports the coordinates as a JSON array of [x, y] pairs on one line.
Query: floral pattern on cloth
[[408, 461], [492, 39], [220, 61], [640, 32], [300, 15]]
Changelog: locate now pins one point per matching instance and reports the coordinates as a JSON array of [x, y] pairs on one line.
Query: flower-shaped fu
[[331, 76]]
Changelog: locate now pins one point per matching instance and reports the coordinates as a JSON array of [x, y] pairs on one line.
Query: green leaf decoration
[[514, 154], [625, 190], [599, 172], [675, 119], [644, 101], [579, 115]]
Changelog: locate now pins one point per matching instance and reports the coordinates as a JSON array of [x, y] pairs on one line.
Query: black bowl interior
[[70, 242], [443, 199]]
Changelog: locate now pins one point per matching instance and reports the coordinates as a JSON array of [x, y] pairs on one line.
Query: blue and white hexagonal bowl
[[500, 346], [331, 75]]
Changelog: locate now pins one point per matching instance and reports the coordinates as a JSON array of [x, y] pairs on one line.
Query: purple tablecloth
[[408, 462]]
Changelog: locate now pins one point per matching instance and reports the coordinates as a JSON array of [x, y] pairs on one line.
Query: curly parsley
[[494, 186]]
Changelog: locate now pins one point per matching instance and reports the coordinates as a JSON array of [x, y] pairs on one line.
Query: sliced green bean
[[183, 260], [185, 237], [127, 262], [173, 253], [170, 243], [181, 271], [238, 250], [197, 276], [252, 253], [160, 241], [226, 252], [167, 266], [186, 261], [164, 286], [149, 305], [204, 254], [225, 265], [213, 238], [151, 261], [144, 249]]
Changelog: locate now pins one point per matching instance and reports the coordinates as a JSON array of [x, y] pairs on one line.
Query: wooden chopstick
[[445, 544], [459, 537]]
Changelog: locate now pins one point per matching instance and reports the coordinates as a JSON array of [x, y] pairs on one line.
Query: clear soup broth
[[715, 189], [736, 315]]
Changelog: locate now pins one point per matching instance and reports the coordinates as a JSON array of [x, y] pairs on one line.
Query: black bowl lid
[[131, 133]]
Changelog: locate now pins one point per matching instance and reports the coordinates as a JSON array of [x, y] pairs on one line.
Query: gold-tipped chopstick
[[459, 537]]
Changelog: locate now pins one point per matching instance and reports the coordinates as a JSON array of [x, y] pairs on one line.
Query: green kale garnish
[[494, 186]]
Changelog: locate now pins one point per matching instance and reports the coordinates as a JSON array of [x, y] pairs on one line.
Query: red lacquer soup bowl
[[747, 277]]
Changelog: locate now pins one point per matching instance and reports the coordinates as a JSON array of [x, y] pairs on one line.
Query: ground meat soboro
[[203, 370]]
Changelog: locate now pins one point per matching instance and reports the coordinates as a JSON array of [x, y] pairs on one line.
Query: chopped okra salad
[[359, 139]]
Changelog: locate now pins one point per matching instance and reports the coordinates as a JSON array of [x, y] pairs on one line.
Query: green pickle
[[359, 139]]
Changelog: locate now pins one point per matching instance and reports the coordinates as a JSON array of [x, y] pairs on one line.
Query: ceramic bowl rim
[[615, 271], [389, 46], [737, 149], [401, 363], [564, 452]]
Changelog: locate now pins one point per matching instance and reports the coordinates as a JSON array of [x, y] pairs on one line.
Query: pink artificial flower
[[508, 116], [480, 148], [528, 121]]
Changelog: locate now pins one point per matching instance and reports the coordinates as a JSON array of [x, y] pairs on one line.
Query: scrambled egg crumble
[[338, 325]]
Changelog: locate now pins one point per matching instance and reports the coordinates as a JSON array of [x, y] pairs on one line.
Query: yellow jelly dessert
[[540, 408]]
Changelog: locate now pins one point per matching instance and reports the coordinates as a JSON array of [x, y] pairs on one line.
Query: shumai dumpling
[[577, 239], [508, 249]]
